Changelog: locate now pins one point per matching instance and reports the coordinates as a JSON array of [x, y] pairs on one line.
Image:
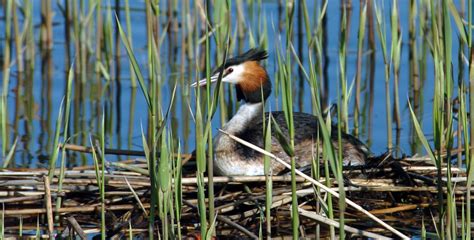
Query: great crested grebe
[[251, 82]]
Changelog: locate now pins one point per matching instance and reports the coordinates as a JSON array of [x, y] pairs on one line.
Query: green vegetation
[[181, 42]]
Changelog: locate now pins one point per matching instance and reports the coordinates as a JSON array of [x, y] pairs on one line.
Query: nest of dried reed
[[401, 192]]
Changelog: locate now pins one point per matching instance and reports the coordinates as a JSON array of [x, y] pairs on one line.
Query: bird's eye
[[230, 70]]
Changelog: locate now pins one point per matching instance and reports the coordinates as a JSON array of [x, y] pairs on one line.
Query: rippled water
[[35, 101]]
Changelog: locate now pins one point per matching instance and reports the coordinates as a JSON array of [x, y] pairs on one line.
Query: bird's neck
[[244, 117]]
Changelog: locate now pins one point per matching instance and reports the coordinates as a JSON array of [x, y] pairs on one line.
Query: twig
[[226, 220], [242, 179], [333, 223], [90, 208], [20, 199], [49, 206], [77, 228], [400, 208], [136, 197], [236, 226], [79, 148]]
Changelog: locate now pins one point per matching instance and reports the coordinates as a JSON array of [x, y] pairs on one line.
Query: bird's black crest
[[253, 54]]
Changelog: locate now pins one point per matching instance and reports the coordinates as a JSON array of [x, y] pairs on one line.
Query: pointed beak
[[203, 82]]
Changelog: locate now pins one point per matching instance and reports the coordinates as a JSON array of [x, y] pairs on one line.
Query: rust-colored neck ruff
[[254, 83], [254, 77]]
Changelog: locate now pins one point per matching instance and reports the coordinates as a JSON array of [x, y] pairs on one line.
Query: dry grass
[[391, 189]]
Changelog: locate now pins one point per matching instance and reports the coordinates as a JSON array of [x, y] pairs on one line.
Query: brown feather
[[253, 78]]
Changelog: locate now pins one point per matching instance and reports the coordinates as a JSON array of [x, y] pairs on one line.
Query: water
[[125, 107]]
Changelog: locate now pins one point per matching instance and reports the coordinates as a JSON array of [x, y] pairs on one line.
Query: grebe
[[251, 82]]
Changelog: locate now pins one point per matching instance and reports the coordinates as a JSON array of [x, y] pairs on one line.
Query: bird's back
[[305, 139]]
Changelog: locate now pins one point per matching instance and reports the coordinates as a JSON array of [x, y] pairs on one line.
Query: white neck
[[246, 114]]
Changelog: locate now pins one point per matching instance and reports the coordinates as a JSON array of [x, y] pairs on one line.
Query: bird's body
[[253, 86], [233, 158]]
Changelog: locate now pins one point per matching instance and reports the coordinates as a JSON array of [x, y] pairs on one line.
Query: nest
[[401, 192]]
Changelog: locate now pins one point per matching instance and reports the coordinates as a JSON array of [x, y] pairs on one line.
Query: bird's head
[[251, 80]]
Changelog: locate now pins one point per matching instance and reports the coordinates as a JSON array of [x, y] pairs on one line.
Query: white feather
[[236, 75]]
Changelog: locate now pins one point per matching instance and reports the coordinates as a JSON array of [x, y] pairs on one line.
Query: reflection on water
[[57, 35]]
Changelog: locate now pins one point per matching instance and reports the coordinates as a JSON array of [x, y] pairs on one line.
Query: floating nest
[[401, 192]]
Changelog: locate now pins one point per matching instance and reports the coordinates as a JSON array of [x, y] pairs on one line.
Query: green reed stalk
[[153, 116], [153, 139], [211, 105], [426, 145], [82, 45], [102, 179], [152, 110], [178, 193], [18, 45], [54, 154], [307, 23], [382, 35], [469, 30], [316, 93], [448, 120], [67, 114], [133, 100], [208, 134], [268, 176], [46, 41], [200, 145], [2, 224], [201, 166], [470, 160], [343, 122], [221, 15], [108, 36], [6, 73], [238, 40], [343, 100], [3, 123], [30, 43], [98, 46], [19, 64], [99, 168], [319, 43], [464, 120], [164, 180], [11, 154], [29, 63], [360, 42], [287, 106], [395, 59], [78, 59], [422, 72], [136, 68], [414, 69], [190, 31], [165, 174], [439, 108], [312, 78], [460, 77], [129, 30], [325, 146], [465, 36]]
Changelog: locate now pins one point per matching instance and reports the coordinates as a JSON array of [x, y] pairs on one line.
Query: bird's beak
[[203, 82]]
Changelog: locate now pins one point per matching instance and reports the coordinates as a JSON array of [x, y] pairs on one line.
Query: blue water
[[119, 139]]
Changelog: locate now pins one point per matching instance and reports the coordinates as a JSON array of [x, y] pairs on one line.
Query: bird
[[253, 86]]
